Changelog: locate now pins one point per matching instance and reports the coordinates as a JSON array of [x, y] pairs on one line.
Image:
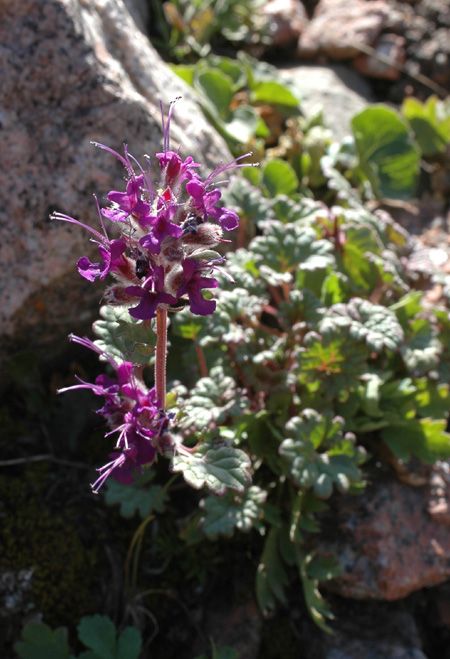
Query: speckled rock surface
[[339, 91], [72, 71], [372, 631], [387, 542]]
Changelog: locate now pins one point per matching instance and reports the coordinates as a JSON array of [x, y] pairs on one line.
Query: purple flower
[[127, 463], [192, 285], [112, 258], [151, 293], [132, 413], [162, 227], [127, 203], [175, 169], [205, 202]]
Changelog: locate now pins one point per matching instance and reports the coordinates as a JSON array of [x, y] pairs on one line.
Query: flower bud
[[207, 235]]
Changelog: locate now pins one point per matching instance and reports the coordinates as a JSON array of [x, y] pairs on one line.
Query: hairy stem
[[203, 367], [161, 356]]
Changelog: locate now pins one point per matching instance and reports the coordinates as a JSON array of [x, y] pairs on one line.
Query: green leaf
[[123, 337], [274, 93], [334, 289], [185, 72], [217, 88], [222, 515], [331, 364], [98, 633], [318, 608], [39, 641], [247, 200], [271, 576], [215, 468], [422, 352], [364, 321], [336, 464], [430, 122], [287, 248], [213, 400], [129, 644], [242, 124], [278, 177], [231, 68], [387, 155], [137, 497], [361, 244], [433, 399], [424, 438]]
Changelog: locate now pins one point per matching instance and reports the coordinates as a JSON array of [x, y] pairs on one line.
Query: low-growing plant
[[318, 350], [253, 106], [97, 633], [323, 349], [187, 30]]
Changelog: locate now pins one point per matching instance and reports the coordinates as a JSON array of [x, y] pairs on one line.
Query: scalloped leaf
[[39, 641], [337, 464], [236, 310], [218, 469], [213, 400], [123, 337], [364, 321], [137, 497], [422, 352], [247, 200], [334, 364], [222, 515], [286, 248], [99, 634]]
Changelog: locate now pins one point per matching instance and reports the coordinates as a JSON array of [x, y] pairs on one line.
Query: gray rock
[[367, 630], [139, 9], [386, 540], [337, 89], [72, 71]]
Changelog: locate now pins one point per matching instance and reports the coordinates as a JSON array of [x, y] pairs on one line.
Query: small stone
[[286, 20], [339, 26], [387, 60]]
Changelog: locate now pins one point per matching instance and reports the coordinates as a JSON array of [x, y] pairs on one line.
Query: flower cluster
[[168, 231], [131, 412], [162, 256]]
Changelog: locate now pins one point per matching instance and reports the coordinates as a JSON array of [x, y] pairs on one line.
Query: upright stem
[[161, 356]]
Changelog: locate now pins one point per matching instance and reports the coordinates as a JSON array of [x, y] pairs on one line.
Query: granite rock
[[372, 630], [338, 90], [73, 71], [386, 540]]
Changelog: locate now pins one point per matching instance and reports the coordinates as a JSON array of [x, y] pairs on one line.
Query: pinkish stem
[[161, 356]]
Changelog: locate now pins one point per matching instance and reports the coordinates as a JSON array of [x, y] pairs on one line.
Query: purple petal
[[199, 306], [228, 219]]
